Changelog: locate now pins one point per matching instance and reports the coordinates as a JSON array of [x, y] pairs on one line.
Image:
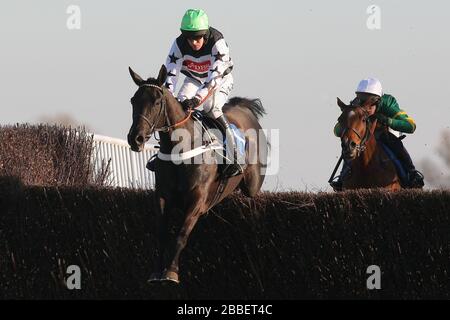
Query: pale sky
[[297, 56]]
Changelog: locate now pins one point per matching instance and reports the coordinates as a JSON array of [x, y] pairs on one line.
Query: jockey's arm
[[401, 123], [390, 114], [220, 62], [173, 65]]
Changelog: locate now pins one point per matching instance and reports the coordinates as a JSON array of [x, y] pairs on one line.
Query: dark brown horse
[[187, 191], [370, 165]]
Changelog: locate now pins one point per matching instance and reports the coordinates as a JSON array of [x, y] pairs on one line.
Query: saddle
[[208, 122], [211, 125], [217, 144]]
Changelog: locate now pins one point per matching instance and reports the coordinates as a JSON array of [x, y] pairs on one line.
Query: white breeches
[[213, 105]]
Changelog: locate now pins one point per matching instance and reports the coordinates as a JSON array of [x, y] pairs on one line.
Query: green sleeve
[[406, 125], [398, 119], [337, 130]]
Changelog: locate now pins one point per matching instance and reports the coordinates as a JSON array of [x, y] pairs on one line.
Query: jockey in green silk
[[388, 114]]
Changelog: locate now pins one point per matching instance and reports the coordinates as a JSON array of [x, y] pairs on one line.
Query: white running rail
[[127, 168]]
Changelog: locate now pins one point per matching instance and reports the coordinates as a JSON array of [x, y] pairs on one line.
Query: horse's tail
[[254, 105]]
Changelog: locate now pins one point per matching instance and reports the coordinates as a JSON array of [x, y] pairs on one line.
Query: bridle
[[163, 109], [361, 147]]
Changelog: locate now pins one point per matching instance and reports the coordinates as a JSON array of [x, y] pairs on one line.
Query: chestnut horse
[[370, 167], [188, 191]]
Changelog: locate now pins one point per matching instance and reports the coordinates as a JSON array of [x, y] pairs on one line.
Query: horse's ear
[[162, 76], [341, 104], [136, 78]]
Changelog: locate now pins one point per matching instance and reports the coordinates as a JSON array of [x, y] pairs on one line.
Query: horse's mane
[[254, 105]]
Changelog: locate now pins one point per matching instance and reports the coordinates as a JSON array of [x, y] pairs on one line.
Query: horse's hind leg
[[257, 152], [252, 181]]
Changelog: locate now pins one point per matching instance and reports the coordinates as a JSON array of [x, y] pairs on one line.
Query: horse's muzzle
[[137, 148], [136, 142], [350, 150]]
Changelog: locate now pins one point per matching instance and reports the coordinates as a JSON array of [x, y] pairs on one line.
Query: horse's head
[[355, 121], [148, 108]]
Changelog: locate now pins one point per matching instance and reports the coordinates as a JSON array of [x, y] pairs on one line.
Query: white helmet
[[370, 85]]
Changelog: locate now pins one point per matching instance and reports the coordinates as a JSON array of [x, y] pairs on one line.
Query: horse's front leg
[[193, 212], [161, 231]]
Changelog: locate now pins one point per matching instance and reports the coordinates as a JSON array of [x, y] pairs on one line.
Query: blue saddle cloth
[[239, 138], [398, 165]]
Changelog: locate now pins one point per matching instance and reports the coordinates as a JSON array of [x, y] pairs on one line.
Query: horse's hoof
[[154, 277], [170, 276]]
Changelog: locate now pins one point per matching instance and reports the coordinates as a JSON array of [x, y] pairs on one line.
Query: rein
[[166, 128]]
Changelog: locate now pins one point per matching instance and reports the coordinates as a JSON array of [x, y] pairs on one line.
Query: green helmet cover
[[194, 20]]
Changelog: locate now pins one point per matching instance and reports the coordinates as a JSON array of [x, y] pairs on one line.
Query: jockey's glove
[[190, 103], [384, 120]]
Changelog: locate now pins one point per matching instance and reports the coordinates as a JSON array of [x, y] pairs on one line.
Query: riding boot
[[233, 168], [414, 177], [337, 184]]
